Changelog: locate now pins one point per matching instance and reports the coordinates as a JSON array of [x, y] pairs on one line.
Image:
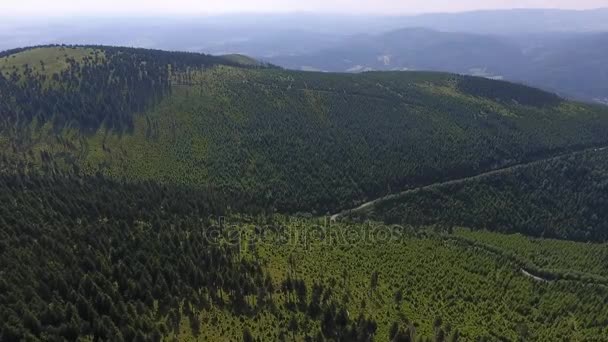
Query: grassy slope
[[326, 140], [54, 59]]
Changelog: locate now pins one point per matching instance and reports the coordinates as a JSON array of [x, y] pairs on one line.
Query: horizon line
[[155, 14]]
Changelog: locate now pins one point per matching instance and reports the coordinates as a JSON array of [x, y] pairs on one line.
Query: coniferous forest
[[562, 198], [157, 196]]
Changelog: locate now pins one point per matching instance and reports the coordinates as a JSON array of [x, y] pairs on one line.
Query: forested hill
[[147, 196], [88, 86], [291, 141]]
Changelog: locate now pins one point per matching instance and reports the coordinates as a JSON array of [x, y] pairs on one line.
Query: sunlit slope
[[316, 142], [45, 60]]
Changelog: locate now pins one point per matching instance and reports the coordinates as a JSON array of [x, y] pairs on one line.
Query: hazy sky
[[58, 7]]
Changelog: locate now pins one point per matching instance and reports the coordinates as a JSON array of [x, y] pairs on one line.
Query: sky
[[156, 7]]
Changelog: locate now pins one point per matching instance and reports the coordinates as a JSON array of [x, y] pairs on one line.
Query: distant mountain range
[[270, 34], [416, 48], [558, 50], [513, 21], [571, 64]]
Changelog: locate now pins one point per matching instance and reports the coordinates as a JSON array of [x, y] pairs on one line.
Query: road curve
[[371, 203]]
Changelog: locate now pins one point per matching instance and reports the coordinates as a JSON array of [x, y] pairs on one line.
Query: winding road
[[537, 278], [371, 203]]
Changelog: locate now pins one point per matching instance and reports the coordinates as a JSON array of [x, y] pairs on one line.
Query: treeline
[[561, 198], [9, 52], [507, 92]]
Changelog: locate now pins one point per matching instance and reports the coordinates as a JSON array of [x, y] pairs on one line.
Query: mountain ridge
[[570, 64], [311, 142]]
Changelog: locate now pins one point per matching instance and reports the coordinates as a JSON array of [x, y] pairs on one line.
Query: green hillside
[[158, 196], [298, 141], [561, 197], [44, 60]]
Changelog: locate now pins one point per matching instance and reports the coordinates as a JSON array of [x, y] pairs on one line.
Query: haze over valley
[[557, 50]]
